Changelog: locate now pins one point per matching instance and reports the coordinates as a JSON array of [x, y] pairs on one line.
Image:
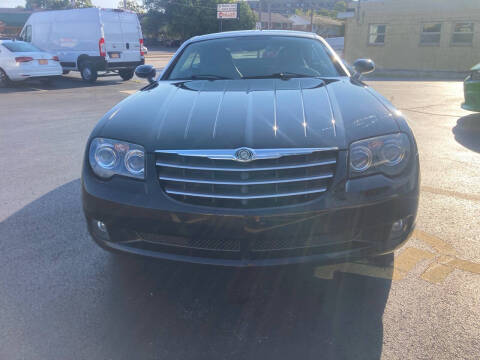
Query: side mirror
[[363, 66], [146, 72]]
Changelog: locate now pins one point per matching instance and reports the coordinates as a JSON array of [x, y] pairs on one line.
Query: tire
[[126, 74], [65, 72], [4, 80], [89, 72]]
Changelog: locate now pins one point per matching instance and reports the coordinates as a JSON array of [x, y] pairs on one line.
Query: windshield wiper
[[208, 77], [281, 75]]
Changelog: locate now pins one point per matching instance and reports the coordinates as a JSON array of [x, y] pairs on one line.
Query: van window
[[27, 36]]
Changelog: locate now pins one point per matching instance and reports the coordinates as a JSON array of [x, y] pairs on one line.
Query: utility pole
[[260, 4], [311, 19], [125, 4], [358, 11], [269, 15]]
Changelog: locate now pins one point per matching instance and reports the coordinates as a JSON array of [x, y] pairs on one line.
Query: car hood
[[256, 113]]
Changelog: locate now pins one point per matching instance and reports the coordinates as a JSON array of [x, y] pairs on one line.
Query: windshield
[[20, 46], [254, 57]]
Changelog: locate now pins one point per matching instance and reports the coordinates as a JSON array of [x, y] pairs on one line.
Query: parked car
[[239, 159], [20, 61], [90, 40], [471, 89]]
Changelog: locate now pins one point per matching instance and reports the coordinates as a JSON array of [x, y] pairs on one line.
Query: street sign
[[227, 11]]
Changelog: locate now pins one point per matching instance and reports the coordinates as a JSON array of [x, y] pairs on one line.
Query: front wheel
[[89, 72], [3, 79], [126, 74]]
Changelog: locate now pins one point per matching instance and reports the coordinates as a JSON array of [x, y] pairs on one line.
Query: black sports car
[[252, 148]]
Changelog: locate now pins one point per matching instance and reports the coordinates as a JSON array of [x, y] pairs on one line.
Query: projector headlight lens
[[113, 157], [387, 154]]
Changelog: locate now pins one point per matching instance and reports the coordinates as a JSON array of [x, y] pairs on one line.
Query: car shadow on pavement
[[99, 305], [467, 131], [58, 83]]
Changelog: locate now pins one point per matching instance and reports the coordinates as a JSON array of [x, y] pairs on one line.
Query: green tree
[[152, 22], [132, 5], [340, 6], [57, 4], [187, 18]]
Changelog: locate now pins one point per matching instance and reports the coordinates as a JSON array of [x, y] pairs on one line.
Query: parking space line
[[387, 273], [410, 257], [443, 263], [455, 194], [439, 245], [129, 92], [436, 273]]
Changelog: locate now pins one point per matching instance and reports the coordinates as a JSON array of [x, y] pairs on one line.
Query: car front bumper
[[355, 219], [20, 75]]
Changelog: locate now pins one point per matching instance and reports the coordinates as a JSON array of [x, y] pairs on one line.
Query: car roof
[[229, 34]]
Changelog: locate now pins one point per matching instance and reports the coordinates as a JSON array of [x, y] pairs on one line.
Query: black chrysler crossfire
[[252, 148]]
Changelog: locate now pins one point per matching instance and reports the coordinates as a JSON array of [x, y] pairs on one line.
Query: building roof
[[317, 20], [299, 20], [324, 20], [276, 18]]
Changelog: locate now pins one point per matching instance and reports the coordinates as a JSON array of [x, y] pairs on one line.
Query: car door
[[113, 35], [131, 33]]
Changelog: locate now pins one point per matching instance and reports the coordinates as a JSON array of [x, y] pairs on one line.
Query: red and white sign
[[226, 11]]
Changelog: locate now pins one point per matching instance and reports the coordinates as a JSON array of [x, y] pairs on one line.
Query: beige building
[[415, 35]]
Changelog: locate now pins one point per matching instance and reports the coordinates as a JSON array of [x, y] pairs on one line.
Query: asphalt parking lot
[[62, 297]]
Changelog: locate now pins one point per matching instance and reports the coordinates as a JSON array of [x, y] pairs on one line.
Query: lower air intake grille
[[271, 178]]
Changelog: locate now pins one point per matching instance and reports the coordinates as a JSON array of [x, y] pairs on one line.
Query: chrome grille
[[272, 178]]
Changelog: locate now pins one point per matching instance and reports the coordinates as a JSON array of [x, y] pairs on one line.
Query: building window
[[431, 34], [376, 34], [462, 34]]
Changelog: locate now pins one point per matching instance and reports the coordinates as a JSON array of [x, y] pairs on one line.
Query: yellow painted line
[[129, 92], [465, 265], [439, 245], [437, 273], [410, 257], [443, 263], [455, 194], [388, 273]]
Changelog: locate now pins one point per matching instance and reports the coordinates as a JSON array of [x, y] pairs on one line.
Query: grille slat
[[247, 182], [244, 197], [298, 176], [211, 168]]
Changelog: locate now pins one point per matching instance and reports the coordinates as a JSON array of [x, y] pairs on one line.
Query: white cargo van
[[89, 40]]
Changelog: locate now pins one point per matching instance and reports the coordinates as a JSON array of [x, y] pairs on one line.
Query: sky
[[100, 3]]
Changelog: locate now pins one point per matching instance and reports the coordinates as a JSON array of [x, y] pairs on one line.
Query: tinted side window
[[27, 36]]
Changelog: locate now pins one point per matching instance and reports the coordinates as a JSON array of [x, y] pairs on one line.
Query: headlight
[[387, 154], [475, 75], [112, 157]]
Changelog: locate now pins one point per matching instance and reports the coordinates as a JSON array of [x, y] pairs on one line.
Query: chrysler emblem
[[244, 155]]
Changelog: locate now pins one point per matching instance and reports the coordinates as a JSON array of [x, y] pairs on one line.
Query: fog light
[[101, 226], [99, 230], [397, 226]]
